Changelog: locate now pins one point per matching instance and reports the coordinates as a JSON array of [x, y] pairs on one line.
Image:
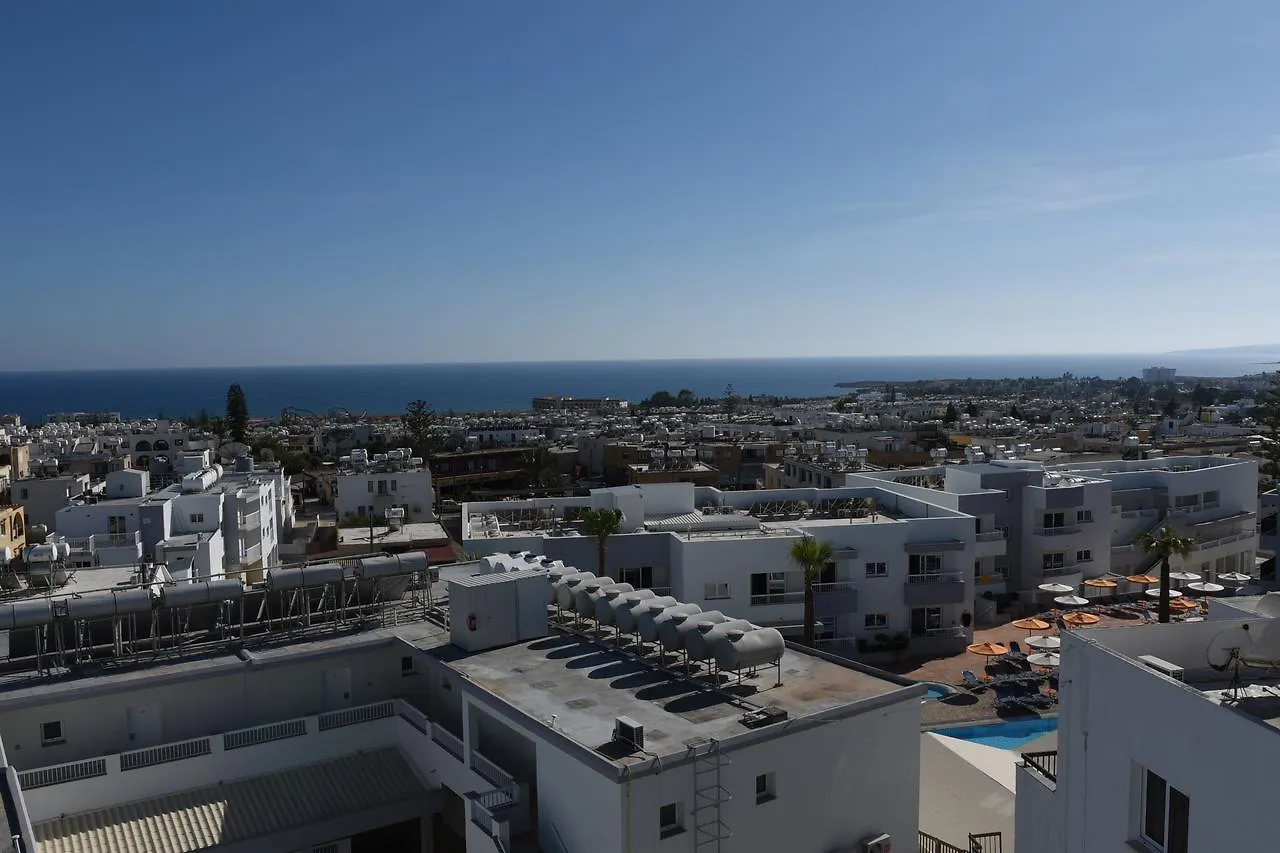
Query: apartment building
[[1165, 735], [400, 734], [580, 405], [13, 533], [43, 496], [376, 483], [903, 566]]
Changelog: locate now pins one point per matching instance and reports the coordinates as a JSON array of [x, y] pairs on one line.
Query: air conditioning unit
[[1163, 667], [880, 844], [627, 730]]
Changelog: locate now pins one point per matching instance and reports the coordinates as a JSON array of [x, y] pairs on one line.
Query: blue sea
[[511, 386]]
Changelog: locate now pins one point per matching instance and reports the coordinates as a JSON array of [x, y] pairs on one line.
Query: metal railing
[[354, 716], [264, 734], [165, 753], [777, 598], [926, 843], [991, 536], [116, 540], [833, 586], [936, 577], [1044, 763], [72, 771], [998, 574], [1057, 531], [1058, 571]]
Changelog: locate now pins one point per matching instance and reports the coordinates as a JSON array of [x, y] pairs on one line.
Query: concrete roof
[[965, 787], [240, 811], [586, 686]]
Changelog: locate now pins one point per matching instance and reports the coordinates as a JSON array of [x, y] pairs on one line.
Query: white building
[[394, 738], [903, 566], [1159, 375], [1157, 750], [42, 497], [395, 480]]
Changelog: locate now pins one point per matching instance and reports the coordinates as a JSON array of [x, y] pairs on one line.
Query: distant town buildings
[[582, 405], [1159, 375]]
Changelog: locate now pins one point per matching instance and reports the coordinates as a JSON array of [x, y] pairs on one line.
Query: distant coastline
[[489, 387]]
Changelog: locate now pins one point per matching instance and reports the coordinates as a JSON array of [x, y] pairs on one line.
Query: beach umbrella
[[1234, 577], [1143, 580], [1101, 583], [1056, 588], [1079, 619], [988, 650], [1031, 623], [1154, 592], [1071, 601], [1183, 576], [1182, 604], [1044, 644], [1206, 586], [1043, 659]]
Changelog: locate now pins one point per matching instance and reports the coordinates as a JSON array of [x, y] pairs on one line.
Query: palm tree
[[812, 557], [541, 470], [1166, 544], [601, 523]]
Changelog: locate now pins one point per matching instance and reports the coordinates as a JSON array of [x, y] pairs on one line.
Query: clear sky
[[304, 181]]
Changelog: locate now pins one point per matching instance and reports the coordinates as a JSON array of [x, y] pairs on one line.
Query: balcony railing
[[952, 631], [777, 598], [999, 574], [991, 536], [116, 540], [251, 519], [251, 554], [1044, 763], [1057, 531], [836, 586], [1058, 571], [936, 577], [1224, 540]]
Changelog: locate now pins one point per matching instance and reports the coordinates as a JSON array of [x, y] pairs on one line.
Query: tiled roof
[[237, 811]]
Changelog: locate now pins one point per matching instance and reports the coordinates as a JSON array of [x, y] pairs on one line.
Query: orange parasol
[[1182, 604], [1081, 619], [1142, 579], [1101, 583], [988, 650], [1031, 623]]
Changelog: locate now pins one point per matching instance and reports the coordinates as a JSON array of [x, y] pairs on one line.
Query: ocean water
[[511, 386]]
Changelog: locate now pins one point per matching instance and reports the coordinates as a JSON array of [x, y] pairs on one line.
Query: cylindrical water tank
[[6, 554], [636, 603], [568, 585], [584, 597], [649, 621], [607, 604], [700, 642], [672, 632], [735, 649], [42, 553], [63, 550], [307, 576], [110, 603], [392, 564], [554, 575], [26, 614], [206, 592]]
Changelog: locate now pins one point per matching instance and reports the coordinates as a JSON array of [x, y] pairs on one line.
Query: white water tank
[[609, 600], [700, 643], [674, 631], [568, 585], [649, 621], [737, 649], [584, 597], [626, 619]]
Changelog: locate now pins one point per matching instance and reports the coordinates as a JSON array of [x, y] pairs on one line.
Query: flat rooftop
[[426, 531], [586, 685]]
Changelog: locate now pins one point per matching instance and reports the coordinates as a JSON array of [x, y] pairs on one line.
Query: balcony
[[251, 554], [777, 598], [1222, 540], [834, 599], [992, 543], [991, 536], [934, 547], [1056, 531], [115, 540], [250, 520], [928, 590], [996, 577], [1043, 763]]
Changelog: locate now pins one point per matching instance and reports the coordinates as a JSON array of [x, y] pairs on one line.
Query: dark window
[[670, 820], [1166, 815], [406, 665], [765, 790], [51, 732]]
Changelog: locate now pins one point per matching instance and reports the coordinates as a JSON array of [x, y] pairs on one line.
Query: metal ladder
[[708, 793]]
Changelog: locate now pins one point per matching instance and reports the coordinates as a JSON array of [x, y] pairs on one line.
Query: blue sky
[[330, 182]]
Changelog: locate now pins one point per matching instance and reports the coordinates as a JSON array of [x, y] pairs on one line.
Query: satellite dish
[[1269, 605], [1228, 645]]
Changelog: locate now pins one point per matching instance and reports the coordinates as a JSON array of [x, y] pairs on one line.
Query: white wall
[[584, 807], [76, 522]]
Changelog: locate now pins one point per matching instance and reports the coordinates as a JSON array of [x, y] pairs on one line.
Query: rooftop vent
[[628, 731]]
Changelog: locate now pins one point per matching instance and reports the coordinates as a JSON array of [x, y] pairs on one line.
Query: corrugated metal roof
[[497, 577], [237, 811]]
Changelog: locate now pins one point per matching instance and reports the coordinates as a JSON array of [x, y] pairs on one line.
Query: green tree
[[419, 418], [1165, 543], [541, 469], [1268, 414], [601, 523], [1013, 413], [952, 415], [812, 557], [237, 420], [731, 400], [972, 410]]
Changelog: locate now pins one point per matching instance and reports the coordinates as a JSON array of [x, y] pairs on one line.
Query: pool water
[[936, 691], [1010, 735]]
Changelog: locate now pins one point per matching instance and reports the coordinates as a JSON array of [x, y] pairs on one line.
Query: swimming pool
[[936, 691], [1010, 735]]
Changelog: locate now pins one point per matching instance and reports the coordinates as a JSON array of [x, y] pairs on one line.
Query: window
[[197, 518], [1054, 560], [371, 485], [873, 621], [393, 485], [1166, 813], [1084, 516], [406, 665], [877, 570], [1211, 497], [1186, 501], [765, 788], [117, 524], [51, 733], [670, 820], [925, 564], [382, 487], [641, 578], [25, 494], [713, 591], [1054, 520], [1084, 556]]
